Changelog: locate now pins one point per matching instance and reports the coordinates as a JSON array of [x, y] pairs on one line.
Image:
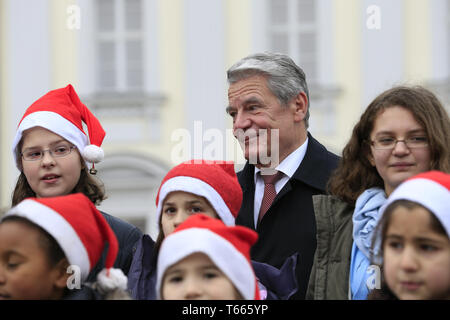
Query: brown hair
[[158, 243], [356, 174]]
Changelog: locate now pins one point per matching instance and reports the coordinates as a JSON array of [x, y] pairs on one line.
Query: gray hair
[[284, 78]]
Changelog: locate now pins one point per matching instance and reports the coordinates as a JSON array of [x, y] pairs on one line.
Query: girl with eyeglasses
[[403, 132], [53, 154]]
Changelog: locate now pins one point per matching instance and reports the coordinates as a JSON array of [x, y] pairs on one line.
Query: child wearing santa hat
[[214, 266], [414, 234], [43, 239], [212, 188], [53, 153]]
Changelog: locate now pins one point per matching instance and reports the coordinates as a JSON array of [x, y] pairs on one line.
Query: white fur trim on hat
[[93, 153], [227, 258], [59, 228], [54, 122], [111, 279], [197, 187], [430, 194]]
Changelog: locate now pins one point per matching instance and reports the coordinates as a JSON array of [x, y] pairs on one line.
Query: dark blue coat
[[127, 236], [142, 274], [85, 293]]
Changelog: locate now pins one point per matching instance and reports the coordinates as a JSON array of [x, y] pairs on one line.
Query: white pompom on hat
[[62, 112], [80, 230], [431, 190]]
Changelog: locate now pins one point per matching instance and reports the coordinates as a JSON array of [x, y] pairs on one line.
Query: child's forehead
[[18, 233], [183, 195], [10, 223], [39, 135], [196, 260], [39, 132], [410, 214], [413, 221]]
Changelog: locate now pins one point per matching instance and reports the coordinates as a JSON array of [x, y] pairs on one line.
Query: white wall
[[29, 68], [382, 63]]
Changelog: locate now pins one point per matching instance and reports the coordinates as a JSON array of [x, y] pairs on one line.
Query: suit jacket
[[289, 225]]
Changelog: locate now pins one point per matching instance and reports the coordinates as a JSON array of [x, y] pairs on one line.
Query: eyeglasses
[[58, 151], [383, 143]]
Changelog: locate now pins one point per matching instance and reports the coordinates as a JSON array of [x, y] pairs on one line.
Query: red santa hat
[[227, 247], [214, 180], [80, 230], [62, 112], [430, 189]]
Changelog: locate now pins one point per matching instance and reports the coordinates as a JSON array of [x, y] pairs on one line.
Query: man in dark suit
[[268, 102]]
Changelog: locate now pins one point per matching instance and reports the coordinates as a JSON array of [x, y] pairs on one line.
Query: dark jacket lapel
[[247, 182], [313, 171]]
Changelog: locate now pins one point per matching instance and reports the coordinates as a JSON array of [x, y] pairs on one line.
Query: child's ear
[[61, 275]]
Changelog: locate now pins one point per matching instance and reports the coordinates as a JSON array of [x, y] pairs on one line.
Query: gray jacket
[[329, 278]]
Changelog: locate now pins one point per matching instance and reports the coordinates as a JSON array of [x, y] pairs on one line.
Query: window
[[292, 30], [302, 29], [119, 45], [118, 60]]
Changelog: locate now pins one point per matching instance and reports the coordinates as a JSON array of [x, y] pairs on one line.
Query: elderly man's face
[[264, 128]]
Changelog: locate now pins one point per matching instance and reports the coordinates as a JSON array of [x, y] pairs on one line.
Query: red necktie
[[269, 192]]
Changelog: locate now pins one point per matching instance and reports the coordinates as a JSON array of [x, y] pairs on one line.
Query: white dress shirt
[[288, 167]]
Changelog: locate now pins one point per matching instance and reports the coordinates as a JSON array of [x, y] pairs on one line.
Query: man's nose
[[241, 121]]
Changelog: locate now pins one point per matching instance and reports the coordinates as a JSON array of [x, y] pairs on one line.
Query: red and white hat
[[227, 247], [62, 112], [80, 230], [430, 189], [214, 180]]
